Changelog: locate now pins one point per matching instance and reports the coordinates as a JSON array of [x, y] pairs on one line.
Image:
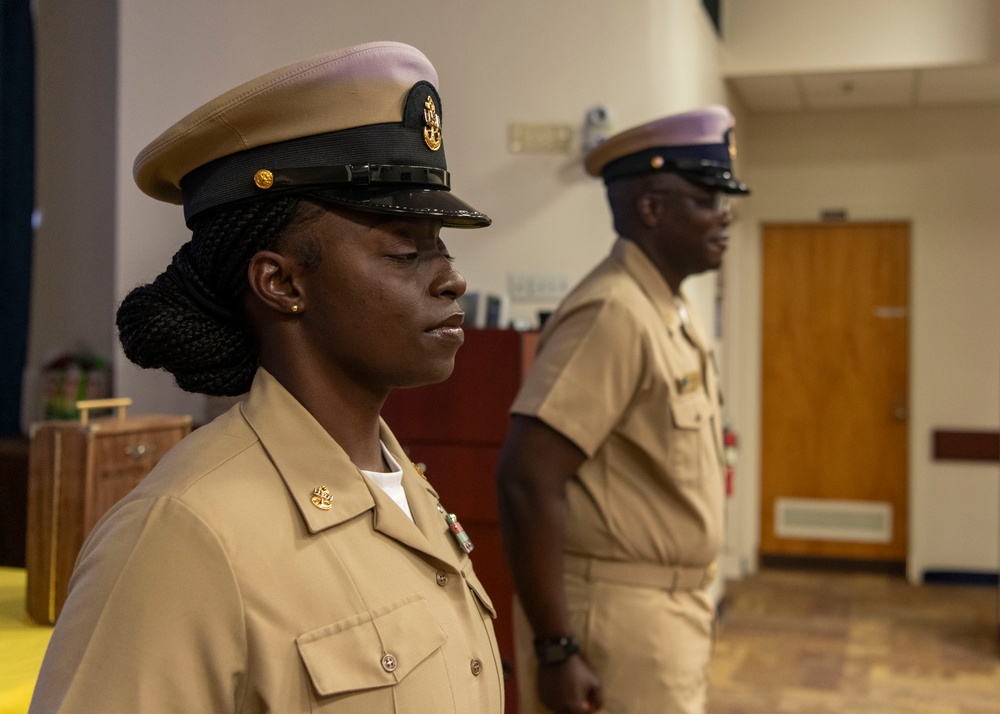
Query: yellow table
[[22, 644]]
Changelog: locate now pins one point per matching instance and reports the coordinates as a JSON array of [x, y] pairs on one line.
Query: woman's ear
[[276, 280]]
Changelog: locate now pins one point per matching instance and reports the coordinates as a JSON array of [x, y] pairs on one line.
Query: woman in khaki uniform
[[288, 557]]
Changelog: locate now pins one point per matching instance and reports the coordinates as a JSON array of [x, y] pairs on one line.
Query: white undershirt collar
[[391, 481]]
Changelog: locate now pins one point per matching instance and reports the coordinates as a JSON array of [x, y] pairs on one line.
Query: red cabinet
[[455, 429]]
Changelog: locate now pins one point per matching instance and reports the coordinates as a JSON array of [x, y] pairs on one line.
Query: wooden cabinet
[[456, 429], [76, 472]]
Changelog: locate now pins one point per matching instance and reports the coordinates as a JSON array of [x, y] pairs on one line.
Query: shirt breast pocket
[[357, 664], [690, 424]]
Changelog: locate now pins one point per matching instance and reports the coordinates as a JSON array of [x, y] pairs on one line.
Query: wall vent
[[829, 519]]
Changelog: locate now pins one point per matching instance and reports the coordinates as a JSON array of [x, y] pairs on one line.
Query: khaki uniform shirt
[[620, 374], [218, 586]]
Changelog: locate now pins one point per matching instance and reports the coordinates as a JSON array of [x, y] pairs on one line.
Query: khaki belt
[[650, 575]]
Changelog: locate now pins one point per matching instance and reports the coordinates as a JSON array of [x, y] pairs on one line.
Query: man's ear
[[276, 280], [649, 208]]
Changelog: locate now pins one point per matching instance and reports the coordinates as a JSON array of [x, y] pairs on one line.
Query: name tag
[[690, 382]]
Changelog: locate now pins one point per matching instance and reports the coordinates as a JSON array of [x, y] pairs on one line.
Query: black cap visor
[[714, 173], [408, 201], [716, 181]]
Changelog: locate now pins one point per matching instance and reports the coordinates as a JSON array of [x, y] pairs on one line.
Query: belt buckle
[[710, 573]]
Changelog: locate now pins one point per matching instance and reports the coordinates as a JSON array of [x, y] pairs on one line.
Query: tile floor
[[804, 642]]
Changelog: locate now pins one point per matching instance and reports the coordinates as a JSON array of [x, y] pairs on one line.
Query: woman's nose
[[450, 282]]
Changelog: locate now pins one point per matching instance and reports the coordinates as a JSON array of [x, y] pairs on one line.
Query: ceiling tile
[[768, 94], [869, 90], [859, 90], [958, 85]]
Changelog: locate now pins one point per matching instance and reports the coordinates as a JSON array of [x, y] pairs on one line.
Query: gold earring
[[295, 308]]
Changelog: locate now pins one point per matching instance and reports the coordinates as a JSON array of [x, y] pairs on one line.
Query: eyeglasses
[[719, 202]]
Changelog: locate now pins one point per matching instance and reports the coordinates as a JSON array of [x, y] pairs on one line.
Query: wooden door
[[834, 390]]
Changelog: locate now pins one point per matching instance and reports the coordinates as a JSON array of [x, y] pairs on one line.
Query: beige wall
[[72, 291], [938, 169], [784, 36]]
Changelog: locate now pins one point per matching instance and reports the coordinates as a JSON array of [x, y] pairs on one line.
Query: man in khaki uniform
[[288, 557], [610, 478]]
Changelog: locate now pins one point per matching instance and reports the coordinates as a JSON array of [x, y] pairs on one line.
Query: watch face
[[554, 651], [557, 650]]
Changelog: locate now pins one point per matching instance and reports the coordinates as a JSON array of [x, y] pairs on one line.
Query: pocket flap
[[370, 650], [689, 411]]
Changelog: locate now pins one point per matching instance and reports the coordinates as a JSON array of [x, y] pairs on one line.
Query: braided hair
[[189, 321]]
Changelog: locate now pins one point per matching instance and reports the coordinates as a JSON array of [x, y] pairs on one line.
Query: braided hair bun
[[189, 321]]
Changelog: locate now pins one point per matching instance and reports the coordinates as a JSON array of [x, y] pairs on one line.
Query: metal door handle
[[900, 412]]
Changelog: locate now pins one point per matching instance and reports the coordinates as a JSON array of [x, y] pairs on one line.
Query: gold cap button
[[263, 179]]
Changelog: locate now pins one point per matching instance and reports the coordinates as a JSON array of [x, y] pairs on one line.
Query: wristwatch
[[555, 650]]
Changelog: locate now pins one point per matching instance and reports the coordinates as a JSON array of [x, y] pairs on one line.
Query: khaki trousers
[[650, 647]]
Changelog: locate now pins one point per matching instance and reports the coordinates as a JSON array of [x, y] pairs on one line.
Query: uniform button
[[442, 578], [389, 662], [476, 666]]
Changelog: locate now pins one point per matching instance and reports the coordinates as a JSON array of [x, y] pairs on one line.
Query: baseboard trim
[[961, 577], [844, 565]]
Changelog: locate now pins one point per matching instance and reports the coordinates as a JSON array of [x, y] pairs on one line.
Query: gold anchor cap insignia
[[322, 498], [432, 130]]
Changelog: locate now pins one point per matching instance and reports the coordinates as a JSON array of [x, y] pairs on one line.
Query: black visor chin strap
[[362, 175]]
